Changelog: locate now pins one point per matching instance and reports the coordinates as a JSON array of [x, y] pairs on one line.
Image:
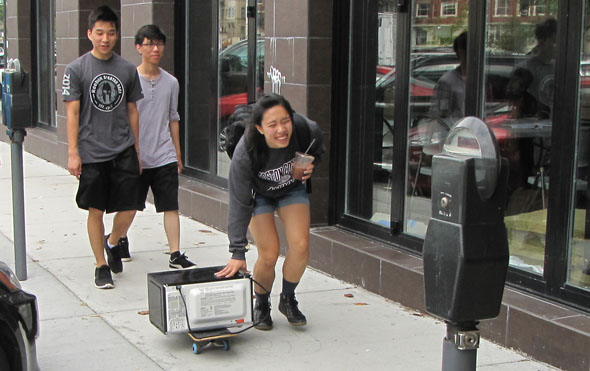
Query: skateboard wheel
[[196, 348], [225, 345]]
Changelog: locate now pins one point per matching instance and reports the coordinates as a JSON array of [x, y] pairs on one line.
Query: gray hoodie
[[273, 180]]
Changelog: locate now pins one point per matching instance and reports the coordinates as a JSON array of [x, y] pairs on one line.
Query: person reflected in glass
[[530, 93], [448, 100], [532, 83]]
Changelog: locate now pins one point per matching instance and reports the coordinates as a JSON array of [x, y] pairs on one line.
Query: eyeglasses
[[152, 45]]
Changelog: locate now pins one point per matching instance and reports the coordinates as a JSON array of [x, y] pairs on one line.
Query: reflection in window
[[45, 74], [436, 102], [579, 252], [233, 63], [421, 36], [422, 10], [533, 8], [448, 9], [260, 34], [502, 8], [369, 150], [233, 68], [519, 85]]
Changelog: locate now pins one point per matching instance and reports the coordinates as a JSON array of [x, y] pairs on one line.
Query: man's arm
[[175, 135], [72, 128], [133, 115]]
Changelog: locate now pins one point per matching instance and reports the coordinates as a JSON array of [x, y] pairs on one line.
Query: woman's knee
[[267, 258], [299, 246]]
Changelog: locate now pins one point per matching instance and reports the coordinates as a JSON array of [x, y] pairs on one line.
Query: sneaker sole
[[105, 286], [126, 259]]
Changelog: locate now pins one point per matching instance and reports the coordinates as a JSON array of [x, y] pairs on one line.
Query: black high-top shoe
[[262, 319], [288, 306]]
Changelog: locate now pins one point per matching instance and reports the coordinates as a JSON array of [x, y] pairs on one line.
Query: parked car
[[19, 324]]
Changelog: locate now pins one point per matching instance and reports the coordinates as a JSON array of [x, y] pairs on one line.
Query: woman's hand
[[307, 173], [233, 267]]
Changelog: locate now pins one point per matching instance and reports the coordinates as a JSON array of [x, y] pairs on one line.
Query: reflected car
[[19, 324], [426, 134], [233, 67], [233, 79]]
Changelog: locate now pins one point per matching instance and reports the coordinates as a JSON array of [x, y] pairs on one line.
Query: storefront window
[[437, 100], [45, 74], [260, 34], [370, 127], [233, 67], [579, 254], [233, 63], [519, 85]]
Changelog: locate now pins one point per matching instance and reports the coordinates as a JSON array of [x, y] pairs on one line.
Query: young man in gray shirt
[[100, 90], [159, 135]]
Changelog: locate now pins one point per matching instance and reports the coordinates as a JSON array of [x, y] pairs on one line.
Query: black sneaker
[[288, 306], [179, 261], [124, 249], [262, 319], [102, 278], [113, 257]]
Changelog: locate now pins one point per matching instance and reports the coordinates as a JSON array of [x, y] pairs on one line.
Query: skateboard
[[205, 339]]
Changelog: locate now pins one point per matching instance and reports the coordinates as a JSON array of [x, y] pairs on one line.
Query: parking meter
[[466, 247], [16, 115], [16, 102], [465, 250]]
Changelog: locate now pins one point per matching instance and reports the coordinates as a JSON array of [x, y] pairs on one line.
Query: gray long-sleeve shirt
[[273, 180]]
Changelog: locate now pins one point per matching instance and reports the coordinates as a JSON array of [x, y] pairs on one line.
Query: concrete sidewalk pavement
[[84, 328]]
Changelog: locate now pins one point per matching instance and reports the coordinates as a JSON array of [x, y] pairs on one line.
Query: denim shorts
[[264, 205]]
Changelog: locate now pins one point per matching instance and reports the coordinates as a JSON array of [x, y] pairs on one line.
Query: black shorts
[[164, 183], [111, 185]]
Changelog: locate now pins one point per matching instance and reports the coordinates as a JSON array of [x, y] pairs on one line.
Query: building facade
[[369, 72]]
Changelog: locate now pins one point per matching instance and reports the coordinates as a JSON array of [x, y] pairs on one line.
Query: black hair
[[546, 30], [256, 144], [460, 42], [105, 14], [150, 32]]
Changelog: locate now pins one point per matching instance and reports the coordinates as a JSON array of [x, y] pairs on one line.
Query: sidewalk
[[83, 328]]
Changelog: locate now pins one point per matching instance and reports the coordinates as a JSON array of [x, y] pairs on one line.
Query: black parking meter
[[466, 247], [16, 102], [16, 115]]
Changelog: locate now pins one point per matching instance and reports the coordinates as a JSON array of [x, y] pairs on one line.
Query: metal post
[[17, 138], [460, 347]]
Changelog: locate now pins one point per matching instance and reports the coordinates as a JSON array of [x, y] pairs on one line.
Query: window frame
[[40, 87], [418, 10], [446, 5], [505, 6]]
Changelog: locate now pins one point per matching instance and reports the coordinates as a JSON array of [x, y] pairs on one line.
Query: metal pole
[[460, 347], [17, 138]]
